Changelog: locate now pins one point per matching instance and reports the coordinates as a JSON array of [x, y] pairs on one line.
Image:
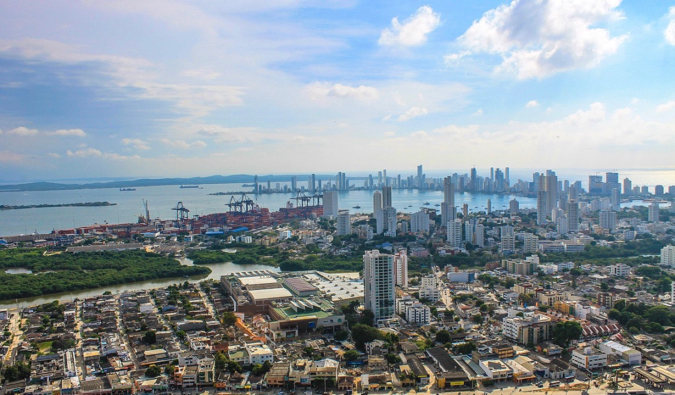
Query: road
[[17, 334]]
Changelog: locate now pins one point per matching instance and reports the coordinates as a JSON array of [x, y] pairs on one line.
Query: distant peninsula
[[149, 182], [88, 204]]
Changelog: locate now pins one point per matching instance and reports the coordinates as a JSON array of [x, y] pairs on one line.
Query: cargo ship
[[127, 189], [190, 186]]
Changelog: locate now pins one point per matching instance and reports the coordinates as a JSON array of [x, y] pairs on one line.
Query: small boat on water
[[127, 189], [426, 203], [356, 207], [190, 186], [436, 204]]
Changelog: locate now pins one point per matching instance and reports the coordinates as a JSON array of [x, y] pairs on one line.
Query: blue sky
[[171, 88]]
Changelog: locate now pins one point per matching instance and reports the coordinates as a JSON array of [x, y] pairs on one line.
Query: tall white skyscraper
[[454, 236], [573, 216], [330, 204], [420, 177], [654, 212], [480, 235], [489, 206], [668, 256], [419, 222], [541, 207], [551, 192], [562, 225], [514, 207], [616, 199], [448, 209], [377, 201], [389, 221], [468, 232], [378, 283], [344, 224], [401, 268]]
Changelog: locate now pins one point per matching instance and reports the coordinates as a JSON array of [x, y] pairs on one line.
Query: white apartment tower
[[344, 224], [386, 197], [530, 243], [573, 216], [401, 268], [608, 220], [654, 212], [378, 282], [668, 256], [455, 233], [480, 235], [468, 232], [551, 192], [330, 204], [419, 222], [514, 207], [448, 208], [541, 207]]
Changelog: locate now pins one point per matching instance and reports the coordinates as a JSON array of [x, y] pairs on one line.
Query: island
[[27, 206]]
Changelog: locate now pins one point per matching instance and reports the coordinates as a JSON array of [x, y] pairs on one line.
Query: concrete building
[[330, 204], [401, 268], [454, 233], [419, 222], [608, 220], [619, 270], [479, 235], [378, 278], [514, 207], [668, 255], [530, 243], [588, 358], [630, 355], [344, 223], [573, 216], [654, 212], [541, 207], [524, 267], [530, 329], [418, 314], [448, 208]]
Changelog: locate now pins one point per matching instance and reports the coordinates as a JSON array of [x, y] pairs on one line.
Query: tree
[[351, 355], [392, 358], [604, 287], [153, 371], [221, 360], [181, 335], [575, 272], [477, 318], [465, 348], [443, 336], [620, 305], [234, 367], [566, 331], [169, 370], [362, 334], [150, 337], [341, 335], [308, 351], [367, 318], [260, 369], [229, 318]]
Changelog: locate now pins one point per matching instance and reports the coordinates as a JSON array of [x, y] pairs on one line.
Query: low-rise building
[[588, 358]]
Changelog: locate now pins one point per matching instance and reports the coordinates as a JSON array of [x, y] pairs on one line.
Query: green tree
[[229, 318], [362, 334], [150, 337], [477, 318], [604, 287], [234, 367], [168, 370], [566, 331], [341, 335], [443, 336], [465, 348], [181, 335], [221, 360], [153, 371], [351, 355], [392, 358]]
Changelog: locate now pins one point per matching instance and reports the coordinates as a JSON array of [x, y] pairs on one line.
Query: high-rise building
[[420, 177], [294, 184], [489, 206], [379, 179], [344, 223], [473, 186], [468, 232], [390, 221], [514, 207], [551, 192], [507, 179], [448, 204], [658, 190], [312, 183], [455, 233], [595, 185], [654, 212], [668, 256], [615, 199], [573, 216], [480, 235], [562, 225], [386, 197], [378, 282], [530, 243], [401, 268], [465, 210], [541, 207], [419, 222], [377, 201], [608, 220], [627, 187], [330, 204]]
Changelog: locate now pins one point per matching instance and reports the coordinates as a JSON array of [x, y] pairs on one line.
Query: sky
[[131, 88]]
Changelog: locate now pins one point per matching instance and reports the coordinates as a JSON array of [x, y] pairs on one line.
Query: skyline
[[96, 90]]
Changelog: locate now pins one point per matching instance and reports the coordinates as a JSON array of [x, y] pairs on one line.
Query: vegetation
[[642, 317], [363, 334], [229, 318], [153, 371], [73, 272], [351, 355], [18, 371], [566, 331]]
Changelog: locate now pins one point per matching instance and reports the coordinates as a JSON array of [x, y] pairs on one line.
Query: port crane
[[243, 205], [302, 200], [181, 212]]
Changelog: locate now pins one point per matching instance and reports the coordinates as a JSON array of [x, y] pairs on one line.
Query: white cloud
[[68, 132], [413, 112], [54, 155], [478, 113], [454, 58], [8, 156], [84, 153], [539, 38], [413, 31], [322, 90], [532, 104], [386, 118], [136, 143], [669, 33], [456, 130], [23, 131], [389, 134], [635, 100], [202, 74], [183, 144], [421, 134], [665, 106]]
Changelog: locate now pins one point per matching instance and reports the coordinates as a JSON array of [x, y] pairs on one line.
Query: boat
[[436, 204], [356, 207], [127, 189], [426, 203], [189, 186]]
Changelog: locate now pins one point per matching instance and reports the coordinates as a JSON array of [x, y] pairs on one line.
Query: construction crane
[[181, 212]]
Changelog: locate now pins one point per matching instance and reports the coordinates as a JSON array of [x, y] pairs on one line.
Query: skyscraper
[[377, 201], [507, 179], [454, 235], [480, 235], [419, 222], [541, 207], [551, 192], [386, 197], [378, 283], [616, 199], [312, 183], [654, 212], [401, 268], [420, 177], [627, 187], [344, 224], [489, 206], [514, 207], [330, 204], [294, 184], [468, 232], [608, 220], [448, 205], [473, 183], [573, 216], [370, 182]]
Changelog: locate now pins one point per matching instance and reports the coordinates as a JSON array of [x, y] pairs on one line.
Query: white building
[[608, 220], [468, 232], [588, 358], [480, 235], [508, 243], [619, 270], [429, 289], [418, 314], [530, 243], [401, 268], [259, 353], [454, 236], [562, 225], [668, 255], [630, 355], [514, 207], [541, 207], [654, 212], [344, 223], [419, 222], [330, 204], [378, 281]]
